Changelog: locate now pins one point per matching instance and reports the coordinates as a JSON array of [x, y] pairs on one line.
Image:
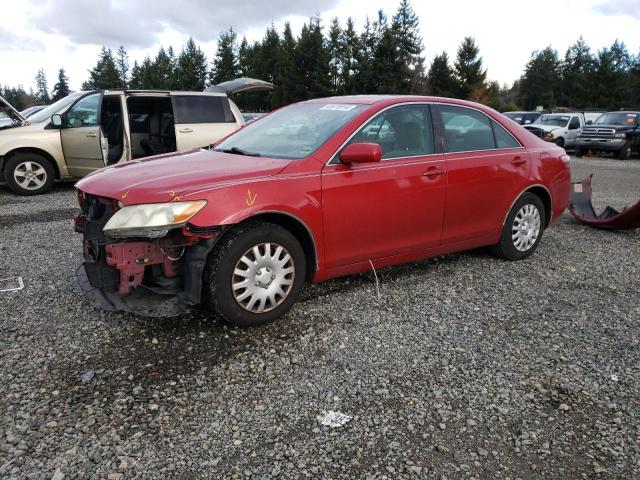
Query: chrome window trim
[[375, 114], [333, 156], [491, 119]]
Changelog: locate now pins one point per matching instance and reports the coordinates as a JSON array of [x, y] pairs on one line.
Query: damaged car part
[[582, 209]]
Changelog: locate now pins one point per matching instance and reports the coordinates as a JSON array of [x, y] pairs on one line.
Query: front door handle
[[92, 135], [518, 160], [433, 172], [185, 130]]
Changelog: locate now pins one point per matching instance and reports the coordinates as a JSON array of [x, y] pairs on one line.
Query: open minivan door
[[83, 143], [243, 84], [9, 116]]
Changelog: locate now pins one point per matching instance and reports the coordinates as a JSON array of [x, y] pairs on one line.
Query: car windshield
[[617, 118], [45, 114], [553, 120], [292, 132]]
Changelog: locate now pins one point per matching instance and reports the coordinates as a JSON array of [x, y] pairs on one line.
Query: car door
[[83, 145], [486, 168], [375, 210], [572, 130], [201, 119]]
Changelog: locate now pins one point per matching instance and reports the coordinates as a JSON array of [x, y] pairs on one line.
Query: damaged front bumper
[[582, 209], [150, 277]]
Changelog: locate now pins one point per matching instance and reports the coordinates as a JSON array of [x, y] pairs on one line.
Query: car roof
[[392, 99]]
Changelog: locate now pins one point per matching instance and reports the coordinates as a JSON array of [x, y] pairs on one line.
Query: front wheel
[[255, 274], [523, 228], [625, 152], [579, 152], [29, 174], [559, 142]]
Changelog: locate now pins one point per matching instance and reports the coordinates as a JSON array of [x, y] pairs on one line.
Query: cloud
[[12, 42], [138, 24], [629, 8]]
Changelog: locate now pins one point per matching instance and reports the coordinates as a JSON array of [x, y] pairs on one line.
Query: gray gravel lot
[[467, 367]]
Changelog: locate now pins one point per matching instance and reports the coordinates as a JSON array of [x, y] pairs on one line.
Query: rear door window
[[503, 138], [466, 130], [189, 109]]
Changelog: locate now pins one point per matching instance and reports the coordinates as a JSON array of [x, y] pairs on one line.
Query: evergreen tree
[[469, 70], [312, 63], [225, 62], [287, 76], [42, 90], [541, 80], [122, 64], [442, 80], [105, 74], [405, 27], [16, 96], [191, 70], [335, 49], [611, 79], [350, 50], [164, 66], [576, 69], [61, 88], [387, 65]]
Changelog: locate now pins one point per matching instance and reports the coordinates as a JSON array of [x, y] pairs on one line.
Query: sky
[[50, 34]]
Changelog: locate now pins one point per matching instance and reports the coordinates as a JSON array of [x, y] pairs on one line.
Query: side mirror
[[361, 153], [56, 120]]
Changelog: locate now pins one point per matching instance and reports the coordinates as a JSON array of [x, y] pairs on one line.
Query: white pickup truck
[[561, 128]]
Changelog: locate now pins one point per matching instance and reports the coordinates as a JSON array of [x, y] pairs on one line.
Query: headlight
[[152, 220], [620, 135], [548, 136]]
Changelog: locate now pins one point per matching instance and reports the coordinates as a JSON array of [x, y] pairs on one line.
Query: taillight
[[566, 159]]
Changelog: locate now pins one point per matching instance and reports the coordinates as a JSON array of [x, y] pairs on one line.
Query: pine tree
[[163, 69], [350, 49], [122, 64], [105, 74], [387, 65], [61, 88], [469, 70], [191, 70], [541, 80], [312, 63], [335, 48], [442, 80], [287, 76], [576, 69], [225, 62], [15, 96], [405, 27], [42, 90], [611, 78]]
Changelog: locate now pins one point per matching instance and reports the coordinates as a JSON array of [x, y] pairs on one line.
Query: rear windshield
[[202, 109], [617, 118], [292, 132]]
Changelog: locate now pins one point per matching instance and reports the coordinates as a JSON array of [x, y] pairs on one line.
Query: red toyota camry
[[315, 190]]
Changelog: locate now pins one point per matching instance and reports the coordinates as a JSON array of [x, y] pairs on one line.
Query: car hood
[[10, 112], [185, 174]]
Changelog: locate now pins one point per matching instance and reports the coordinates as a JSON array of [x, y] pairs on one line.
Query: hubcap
[[30, 175], [263, 277], [526, 228]]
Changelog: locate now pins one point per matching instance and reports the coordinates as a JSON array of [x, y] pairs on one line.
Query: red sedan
[[313, 191]]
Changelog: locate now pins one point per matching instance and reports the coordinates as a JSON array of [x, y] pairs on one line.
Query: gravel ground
[[466, 367]]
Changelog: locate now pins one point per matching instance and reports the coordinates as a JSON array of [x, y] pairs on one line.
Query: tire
[[559, 142], [625, 152], [236, 306], [21, 165], [524, 210], [579, 152]]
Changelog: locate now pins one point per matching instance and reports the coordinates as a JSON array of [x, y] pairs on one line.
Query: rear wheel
[[579, 152], [523, 228], [255, 274], [625, 151], [29, 174]]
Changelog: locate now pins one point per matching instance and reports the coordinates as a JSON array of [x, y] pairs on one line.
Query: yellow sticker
[[251, 199], [124, 195]]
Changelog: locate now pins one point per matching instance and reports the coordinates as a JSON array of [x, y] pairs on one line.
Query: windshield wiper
[[237, 151]]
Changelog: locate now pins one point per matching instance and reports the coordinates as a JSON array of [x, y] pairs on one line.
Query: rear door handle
[[518, 160], [185, 130], [92, 135], [433, 172]]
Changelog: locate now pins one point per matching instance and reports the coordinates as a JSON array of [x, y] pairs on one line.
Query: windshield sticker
[[306, 149], [338, 107]]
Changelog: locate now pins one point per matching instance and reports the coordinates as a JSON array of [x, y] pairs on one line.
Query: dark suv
[[614, 132]]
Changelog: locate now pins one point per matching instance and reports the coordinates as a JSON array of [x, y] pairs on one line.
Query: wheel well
[[544, 196], [35, 151], [298, 229]]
